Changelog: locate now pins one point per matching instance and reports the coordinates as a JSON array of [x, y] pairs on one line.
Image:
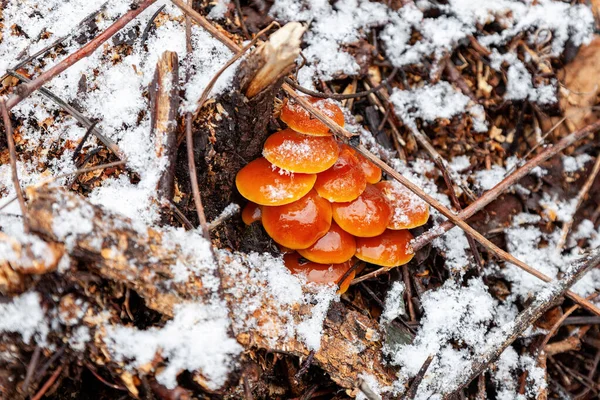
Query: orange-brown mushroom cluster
[[324, 203]]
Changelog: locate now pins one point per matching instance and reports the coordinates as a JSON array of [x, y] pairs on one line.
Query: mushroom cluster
[[324, 203]]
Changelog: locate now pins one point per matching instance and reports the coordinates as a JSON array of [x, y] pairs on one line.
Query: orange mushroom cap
[[408, 210], [367, 216], [265, 184], [296, 152], [300, 224], [300, 120], [337, 246], [320, 273], [390, 249], [372, 172], [251, 213], [344, 181]]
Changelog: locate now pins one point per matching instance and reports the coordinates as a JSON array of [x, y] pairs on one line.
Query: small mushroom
[[297, 118], [297, 152], [372, 172], [344, 181], [251, 213], [408, 210], [367, 216], [300, 224], [320, 273], [263, 183], [390, 249], [337, 246]]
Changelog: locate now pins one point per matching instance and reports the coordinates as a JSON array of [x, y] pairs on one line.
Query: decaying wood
[[349, 345], [233, 130], [164, 105], [276, 57]]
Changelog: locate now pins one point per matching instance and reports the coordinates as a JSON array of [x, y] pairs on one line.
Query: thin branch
[[412, 390], [238, 8], [13, 162], [513, 329], [24, 90], [48, 384], [580, 198], [151, 23], [206, 25]]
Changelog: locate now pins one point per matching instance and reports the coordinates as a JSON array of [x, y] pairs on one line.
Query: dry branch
[[349, 344]]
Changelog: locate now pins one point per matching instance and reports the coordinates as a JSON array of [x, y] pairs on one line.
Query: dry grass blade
[[13, 162]]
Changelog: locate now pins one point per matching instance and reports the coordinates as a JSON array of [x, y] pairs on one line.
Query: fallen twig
[[13, 161], [412, 390]]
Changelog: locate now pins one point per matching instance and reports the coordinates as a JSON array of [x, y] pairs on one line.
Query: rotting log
[[233, 129], [141, 260]]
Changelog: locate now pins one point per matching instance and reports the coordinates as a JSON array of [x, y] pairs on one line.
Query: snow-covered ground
[[457, 318]]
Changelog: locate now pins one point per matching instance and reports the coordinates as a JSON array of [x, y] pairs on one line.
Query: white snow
[[431, 102], [24, 315], [394, 303], [195, 339]]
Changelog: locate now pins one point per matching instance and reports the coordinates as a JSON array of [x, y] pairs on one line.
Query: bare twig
[[33, 364], [512, 330], [26, 89], [13, 162], [227, 213], [580, 198], [151, 23], [48, 384], [204, 23], [412, 390]]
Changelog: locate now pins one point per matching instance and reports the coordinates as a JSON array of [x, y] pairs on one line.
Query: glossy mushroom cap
[[300, 224], [320, 273], [372, 172], [296, 152], [344, 181], [298, 119], [408, 210], [265, 184], [367, 216], [251, 213], [390, 249], [337, 246]]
